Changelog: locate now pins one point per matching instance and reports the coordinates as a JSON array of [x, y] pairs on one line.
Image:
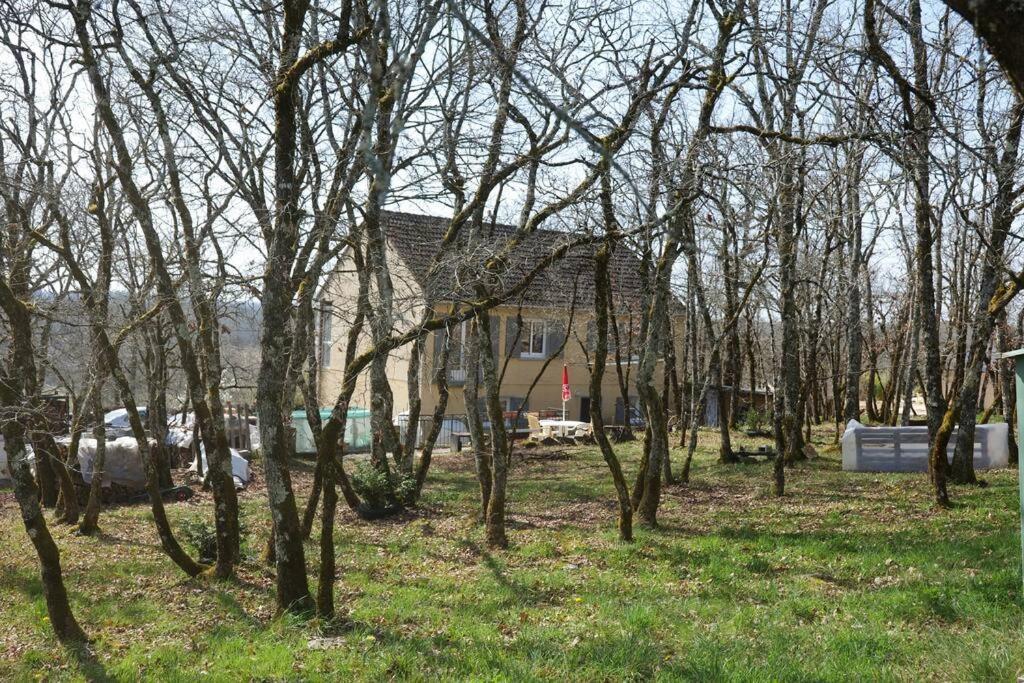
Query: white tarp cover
[[5, 472], [239, 467], [874, 449], [179, 437], [254, 438], [122, 465], [118, 418]]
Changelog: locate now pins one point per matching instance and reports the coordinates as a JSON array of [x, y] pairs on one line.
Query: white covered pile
[[239, 467], [122, 464], [5, 472]]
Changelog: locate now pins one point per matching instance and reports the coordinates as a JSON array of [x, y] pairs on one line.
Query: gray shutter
[[711, 409], [514, 404], [440, 338], [591, 335], [496, 337], [438, 347], [555, 331], [511, 337]]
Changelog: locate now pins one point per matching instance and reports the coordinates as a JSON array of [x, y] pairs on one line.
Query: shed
[[749, 399]]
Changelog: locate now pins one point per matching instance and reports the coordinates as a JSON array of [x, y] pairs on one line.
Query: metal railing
[[455, 428], [451, 427]]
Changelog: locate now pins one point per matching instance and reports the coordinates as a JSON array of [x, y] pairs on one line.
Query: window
[[326, 316], [532, 339], [458, 353], [512, 403], [636, 413]]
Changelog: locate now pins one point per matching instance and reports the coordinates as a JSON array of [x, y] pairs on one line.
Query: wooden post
[[245, 428]]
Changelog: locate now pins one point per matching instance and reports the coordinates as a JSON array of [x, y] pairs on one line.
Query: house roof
[[416, 238]]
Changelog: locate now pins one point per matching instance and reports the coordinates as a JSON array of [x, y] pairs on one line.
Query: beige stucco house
[[527, 330]]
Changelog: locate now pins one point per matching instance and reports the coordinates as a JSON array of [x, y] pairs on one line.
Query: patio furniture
[[766, 452], [513, 435]]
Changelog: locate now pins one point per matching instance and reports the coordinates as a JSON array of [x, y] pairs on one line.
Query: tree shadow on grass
[[110, 539], [517, 589], [234, 607], [521, 593], [21, 580], [89, 665], [82, 653]]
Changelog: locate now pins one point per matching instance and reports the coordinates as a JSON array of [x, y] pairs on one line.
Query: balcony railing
[[456, 376]]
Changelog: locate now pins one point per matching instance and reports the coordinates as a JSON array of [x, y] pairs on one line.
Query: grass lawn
[[850, 577]]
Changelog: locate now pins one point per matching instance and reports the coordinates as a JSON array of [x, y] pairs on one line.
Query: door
[[584, 409]]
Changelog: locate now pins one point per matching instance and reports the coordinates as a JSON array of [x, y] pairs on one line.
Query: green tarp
[[357, 430]]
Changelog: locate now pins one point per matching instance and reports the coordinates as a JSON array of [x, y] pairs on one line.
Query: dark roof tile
[[416, 239]]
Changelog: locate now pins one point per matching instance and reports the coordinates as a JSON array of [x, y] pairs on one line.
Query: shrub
[[201, 535], [754, 420], [372, 485], [381, 494], [405, 489]]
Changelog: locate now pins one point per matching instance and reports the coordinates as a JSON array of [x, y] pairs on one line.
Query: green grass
[[850, 577]]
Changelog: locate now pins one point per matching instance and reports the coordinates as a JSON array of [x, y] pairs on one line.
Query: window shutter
[[514, 404], [496, 337], [511, 337], [326, 333], [591, 335], [438, 346], [555, 332]]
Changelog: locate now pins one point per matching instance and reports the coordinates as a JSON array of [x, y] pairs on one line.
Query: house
[[747, 399], [527, 330]]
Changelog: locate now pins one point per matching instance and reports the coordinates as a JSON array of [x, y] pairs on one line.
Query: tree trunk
[[778, 466], [601, 290], [998, 23], [495, 522], [657, 443], [791, 429], [962, 470], [481, 456], [925, 241], [437, 423], [412, 427], [1007, 383], [58, 608], [325, 589], [90, 520], [46, 479], [851, 411]]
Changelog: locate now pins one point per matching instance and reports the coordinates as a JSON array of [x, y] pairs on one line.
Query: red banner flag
[[566, 393]]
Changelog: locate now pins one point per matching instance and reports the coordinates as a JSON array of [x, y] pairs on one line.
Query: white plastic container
[[905, 449]]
